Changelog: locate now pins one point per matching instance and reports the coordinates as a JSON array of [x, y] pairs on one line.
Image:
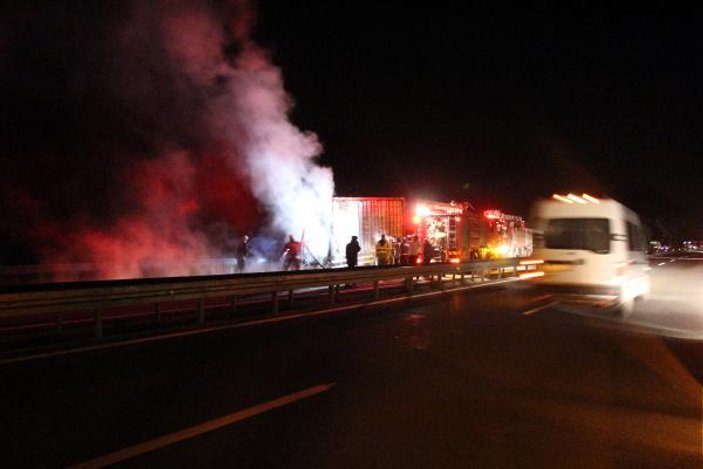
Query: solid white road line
[[538, 309], [205, 427]]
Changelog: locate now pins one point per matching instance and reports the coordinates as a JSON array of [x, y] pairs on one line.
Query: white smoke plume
[[252, 116], [168, 139]]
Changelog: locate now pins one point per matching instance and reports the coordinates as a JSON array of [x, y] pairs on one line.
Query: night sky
[[500, 106], [437, 101]]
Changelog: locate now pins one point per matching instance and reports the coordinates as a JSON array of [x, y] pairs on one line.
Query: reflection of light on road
[[539, 308], [418, 336], [675, 307], [674, 433], [654, 353]]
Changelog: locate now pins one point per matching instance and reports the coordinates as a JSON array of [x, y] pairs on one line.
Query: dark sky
[[499, 106]]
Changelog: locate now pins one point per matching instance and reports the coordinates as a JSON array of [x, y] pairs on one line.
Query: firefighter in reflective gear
[[384, 251]]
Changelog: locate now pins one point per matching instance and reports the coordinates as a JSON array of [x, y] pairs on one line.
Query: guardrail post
[[234, 302], [500, 272], [201, 310], [410, 285], [332, 295], [290, 297], [99, 323], [376, 290], [274, 299], [440, 283]]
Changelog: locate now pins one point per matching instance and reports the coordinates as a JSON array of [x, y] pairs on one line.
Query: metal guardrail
[[96, 297]]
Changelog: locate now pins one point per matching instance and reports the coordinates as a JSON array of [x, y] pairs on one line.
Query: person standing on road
[[383, 251], [242, 253], [352, 252], [427, 252], [395, 251], [404, 251], [291, 251]]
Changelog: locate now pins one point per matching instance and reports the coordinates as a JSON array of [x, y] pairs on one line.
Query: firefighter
[[242, 253], [397, 240], [427, 252], [352, 252], [404, 251], [291, 251], [414, 249], [384, 251]]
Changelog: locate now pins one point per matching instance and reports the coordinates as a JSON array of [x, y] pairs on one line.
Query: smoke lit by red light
[[191, 149]]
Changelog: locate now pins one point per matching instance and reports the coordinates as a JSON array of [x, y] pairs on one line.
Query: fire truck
[[458, 232], [508, 235]]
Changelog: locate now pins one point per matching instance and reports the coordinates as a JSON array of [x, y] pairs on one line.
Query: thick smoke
[[156, 134]]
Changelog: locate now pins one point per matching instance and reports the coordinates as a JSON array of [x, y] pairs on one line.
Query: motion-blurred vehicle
[[594, 251]]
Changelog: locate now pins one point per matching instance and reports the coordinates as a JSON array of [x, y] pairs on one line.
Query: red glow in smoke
[[166, 233], [225, 196]]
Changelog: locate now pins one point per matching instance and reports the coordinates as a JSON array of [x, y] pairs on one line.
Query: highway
[[491, 377]]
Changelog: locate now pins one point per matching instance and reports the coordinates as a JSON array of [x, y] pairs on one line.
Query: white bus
[[594, 251]]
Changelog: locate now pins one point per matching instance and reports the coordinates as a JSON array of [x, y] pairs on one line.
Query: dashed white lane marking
[[205, 427], [532, 311]]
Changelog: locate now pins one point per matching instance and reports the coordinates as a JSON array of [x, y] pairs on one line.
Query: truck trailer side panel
[[368, 218]]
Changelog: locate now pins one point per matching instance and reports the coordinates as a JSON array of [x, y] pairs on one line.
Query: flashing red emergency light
[[492, 214]]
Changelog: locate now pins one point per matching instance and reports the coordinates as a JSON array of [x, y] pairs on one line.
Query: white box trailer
[[368, 218]]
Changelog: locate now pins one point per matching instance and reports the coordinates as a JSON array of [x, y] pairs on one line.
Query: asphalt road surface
[[494, 377]]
